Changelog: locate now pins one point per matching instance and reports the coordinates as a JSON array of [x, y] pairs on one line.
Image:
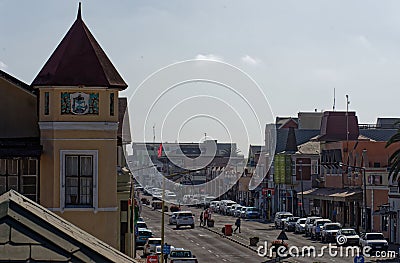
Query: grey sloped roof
[[379, 135], [30, 232], [302, 136]]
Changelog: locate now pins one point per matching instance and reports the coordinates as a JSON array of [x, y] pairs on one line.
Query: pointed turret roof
[[79, 61]]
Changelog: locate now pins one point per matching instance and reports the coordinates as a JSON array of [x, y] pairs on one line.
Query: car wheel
[[192, 226], [177, 226]]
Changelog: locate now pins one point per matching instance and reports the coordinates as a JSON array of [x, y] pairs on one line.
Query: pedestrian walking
[[201, 218], [205, 217], [237, 224]]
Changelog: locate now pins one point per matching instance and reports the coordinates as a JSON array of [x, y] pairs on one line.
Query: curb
[[229, 238]]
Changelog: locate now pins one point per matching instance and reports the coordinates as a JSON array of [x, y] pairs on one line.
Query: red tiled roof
[[79, 60]]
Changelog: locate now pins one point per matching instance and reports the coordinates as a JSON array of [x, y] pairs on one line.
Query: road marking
[[217, 256], [209, 250], [198, 244], [224, 259]]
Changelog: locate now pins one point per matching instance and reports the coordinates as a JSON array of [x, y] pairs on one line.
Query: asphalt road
[[206, 245]]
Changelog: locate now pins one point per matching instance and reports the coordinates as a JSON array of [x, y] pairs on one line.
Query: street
[[209, 244]]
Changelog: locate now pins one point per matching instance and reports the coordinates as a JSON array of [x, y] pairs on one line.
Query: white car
[[237, 211], [280, 218], [376, 241], [309, 223], [184, 218], [300, 225], [329, 232], [350, 237], [317, 227], [151, 244], [172, 218]]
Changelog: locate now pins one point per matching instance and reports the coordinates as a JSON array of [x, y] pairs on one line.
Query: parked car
[[376, 241], [328, 234], [237, 211], [150, 245], [242, 211], [351, 237], [184, 218], [233, 209], [214, 205], [251, 213], [300, 225], [317, 227], [289, 224], [224, 206], [184, 256], [280, 218], [142, 236], [141, 224], [309, 223]]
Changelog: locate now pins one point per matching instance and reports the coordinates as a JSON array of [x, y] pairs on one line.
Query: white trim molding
[[93, 153], [78, 125]]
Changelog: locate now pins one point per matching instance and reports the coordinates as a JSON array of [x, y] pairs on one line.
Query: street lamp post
[[302, 187]]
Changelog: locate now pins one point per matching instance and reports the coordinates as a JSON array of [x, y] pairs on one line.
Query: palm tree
[[394, 159]]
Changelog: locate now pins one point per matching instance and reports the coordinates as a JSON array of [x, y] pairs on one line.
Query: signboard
[[282, 169], [282, 236], [359, 259], [166, 249], [152, 259]]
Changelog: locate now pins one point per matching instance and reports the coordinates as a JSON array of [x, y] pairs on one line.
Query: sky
[[297, 52]]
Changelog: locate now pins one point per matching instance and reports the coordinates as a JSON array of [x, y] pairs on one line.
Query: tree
[[394, 160]]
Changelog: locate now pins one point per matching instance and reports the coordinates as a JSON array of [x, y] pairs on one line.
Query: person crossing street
[[237, 224]]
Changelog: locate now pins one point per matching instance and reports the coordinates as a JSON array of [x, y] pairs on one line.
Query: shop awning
[[333, 194]]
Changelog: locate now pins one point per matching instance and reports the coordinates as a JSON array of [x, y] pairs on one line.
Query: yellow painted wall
[[55, 105], [19, 108], [102, 224]]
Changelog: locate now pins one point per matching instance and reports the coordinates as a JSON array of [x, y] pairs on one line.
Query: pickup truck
[[376, 241]]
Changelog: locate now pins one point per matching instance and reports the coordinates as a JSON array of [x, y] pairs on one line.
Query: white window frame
[[94, 154]]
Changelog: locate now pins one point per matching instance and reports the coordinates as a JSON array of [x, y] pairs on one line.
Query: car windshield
[[141, 225], [185, 214], [375, 237], [286, 215], [321, 223], [293, 219], [252, 209], [156, 242], [302, 221], [349, 232], [332, 227], [181, 254]]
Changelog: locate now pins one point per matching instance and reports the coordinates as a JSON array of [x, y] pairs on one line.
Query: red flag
[[159, 152]]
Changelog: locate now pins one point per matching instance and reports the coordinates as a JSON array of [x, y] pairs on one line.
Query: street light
[[133, 198], [302, 188]]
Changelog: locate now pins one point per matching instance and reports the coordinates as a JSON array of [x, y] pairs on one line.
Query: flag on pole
[[159, 152]]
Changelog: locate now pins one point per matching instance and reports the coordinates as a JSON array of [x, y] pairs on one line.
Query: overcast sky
[[297, 51]]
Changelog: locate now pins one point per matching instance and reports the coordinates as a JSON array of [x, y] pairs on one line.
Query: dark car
[[251, 213], [143, 235]]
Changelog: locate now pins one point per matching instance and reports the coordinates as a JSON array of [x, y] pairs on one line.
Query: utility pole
[[302, 187]]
